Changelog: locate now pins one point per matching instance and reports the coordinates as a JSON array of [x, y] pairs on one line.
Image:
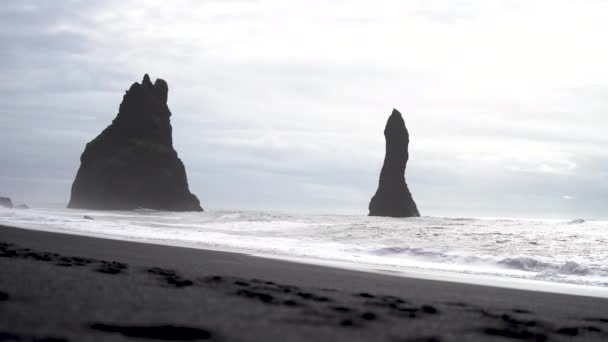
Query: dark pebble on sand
[[305, 295], [346, 323], [429, 309], [568, 331], [38, 256], [179, 282], [520, 311], [369, 316], [290, 302], [597, 319], [311, 296], [3, 297], [593, 329], [241, 283], [8, 254], [365, 295], [161, 271], [514, 321], [108, 269], [266, 298], [393, 299]]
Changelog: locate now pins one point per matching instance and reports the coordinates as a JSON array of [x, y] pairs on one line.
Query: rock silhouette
[[393, 198], [6, 202], [132, 163]]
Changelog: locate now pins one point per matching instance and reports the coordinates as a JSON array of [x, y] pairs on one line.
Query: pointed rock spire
[[146, 81], [6, 202], [393, 198], [132, 163]]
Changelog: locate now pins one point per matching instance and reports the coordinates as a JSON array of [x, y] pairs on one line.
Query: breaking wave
[[550, 250], [522, 263]]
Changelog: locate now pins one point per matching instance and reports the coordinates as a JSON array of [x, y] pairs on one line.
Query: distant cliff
[[393, 198], [132, 163]]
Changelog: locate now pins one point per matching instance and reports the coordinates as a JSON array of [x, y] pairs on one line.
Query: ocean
[[550, 251]]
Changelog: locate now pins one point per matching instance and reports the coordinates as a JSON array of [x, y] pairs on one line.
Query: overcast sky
[[281, 104]]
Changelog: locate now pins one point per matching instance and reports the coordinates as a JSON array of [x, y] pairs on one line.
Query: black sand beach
[[58, 287]]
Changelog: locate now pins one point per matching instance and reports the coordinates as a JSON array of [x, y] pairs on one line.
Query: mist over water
[[550, 250]]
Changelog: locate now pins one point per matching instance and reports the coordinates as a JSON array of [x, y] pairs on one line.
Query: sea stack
[[6, 202], [132, 163], [393, 198]]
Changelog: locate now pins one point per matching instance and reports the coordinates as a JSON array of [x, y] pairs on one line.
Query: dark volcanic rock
[[393, 197], [132, 163], [6, 202]]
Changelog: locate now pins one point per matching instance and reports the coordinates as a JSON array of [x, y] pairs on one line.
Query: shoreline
[[411, 272], [114, 290]]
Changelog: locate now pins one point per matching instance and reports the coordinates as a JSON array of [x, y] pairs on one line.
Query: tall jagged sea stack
[[393, 198], [132, 163]]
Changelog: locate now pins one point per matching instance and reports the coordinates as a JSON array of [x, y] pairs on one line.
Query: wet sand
[[59, 287]]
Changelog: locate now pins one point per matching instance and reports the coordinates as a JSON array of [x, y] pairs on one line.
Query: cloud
[[271, 95]]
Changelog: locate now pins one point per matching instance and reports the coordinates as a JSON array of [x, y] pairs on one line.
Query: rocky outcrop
[[6, 202], [393, 198], [132, 163]]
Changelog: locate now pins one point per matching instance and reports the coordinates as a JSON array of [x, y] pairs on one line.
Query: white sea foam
[[550, 250]]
